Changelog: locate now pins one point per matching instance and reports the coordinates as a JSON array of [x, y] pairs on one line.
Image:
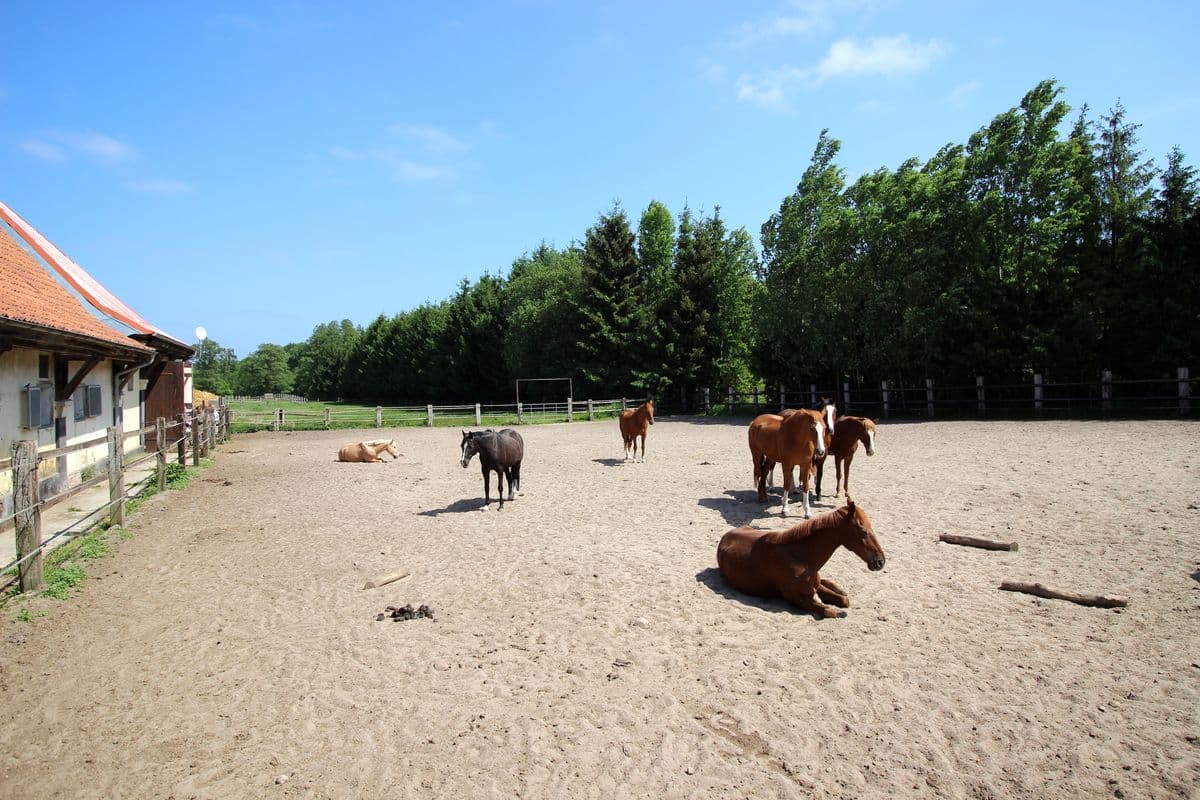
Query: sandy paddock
[[583, 644]]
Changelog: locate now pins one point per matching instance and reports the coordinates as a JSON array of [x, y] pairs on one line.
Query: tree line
[[1043, 244]]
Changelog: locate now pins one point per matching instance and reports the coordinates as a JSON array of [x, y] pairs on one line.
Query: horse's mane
[[810, 527]]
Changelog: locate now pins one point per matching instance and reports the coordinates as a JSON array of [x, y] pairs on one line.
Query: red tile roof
[[29, 294]]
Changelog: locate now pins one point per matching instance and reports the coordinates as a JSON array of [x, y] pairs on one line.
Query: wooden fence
[[193, 435]]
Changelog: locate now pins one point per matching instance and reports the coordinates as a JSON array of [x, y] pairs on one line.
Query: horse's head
[[868, 436], [469, 447], [390, 449], [650, 409], [861, 539], [818, 427], [829, 415]]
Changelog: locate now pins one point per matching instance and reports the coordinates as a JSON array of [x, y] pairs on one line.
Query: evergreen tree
[[608, 306]]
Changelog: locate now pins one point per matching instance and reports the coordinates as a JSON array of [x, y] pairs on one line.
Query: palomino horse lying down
[[362, 452], [786, 563]]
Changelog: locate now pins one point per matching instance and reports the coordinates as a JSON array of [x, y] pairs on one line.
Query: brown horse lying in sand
[[362, 452], [636, 422], [786, 563]]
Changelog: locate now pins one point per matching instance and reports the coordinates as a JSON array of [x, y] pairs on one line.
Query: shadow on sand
[[712, 578], [457, 507], [609, 462], [740, 506]]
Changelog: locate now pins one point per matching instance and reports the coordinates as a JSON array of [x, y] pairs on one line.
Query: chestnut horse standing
[[829, 417], [634, 423], [786, 563], [791, 441], [850, 431]]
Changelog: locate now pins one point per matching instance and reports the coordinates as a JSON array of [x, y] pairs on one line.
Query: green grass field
[[257, 415]]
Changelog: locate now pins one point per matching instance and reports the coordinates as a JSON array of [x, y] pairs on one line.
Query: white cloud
[[39, 148], [809, 17], [415, 172], [959, 94], [164, 187], [888, 56], [428, 138]]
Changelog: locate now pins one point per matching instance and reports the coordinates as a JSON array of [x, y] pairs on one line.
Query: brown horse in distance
[[787, 563], [636, 422], [791, 441], [850, 432]]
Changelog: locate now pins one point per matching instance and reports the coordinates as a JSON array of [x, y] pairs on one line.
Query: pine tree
[[609, 305]]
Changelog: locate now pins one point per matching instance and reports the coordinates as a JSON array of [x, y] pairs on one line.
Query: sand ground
[[584, 645]]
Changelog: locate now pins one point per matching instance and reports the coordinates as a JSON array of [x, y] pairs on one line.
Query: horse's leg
[[831, 593], [801, 596], [787, 484], [487, 480], [837, 464], [643, 448], [820, 471], [804, 490], [514, 479], [847, 477]]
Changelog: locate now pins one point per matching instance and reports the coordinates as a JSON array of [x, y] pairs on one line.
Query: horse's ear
[[850, 505]]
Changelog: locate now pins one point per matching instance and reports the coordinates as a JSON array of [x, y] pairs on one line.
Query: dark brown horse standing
[[790, 441], [787, 563], [500, 452], [850, 432], [636, 422]]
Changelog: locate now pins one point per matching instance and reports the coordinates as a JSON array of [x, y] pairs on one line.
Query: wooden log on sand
[[971, 541], [385, 579], [1037, 589]]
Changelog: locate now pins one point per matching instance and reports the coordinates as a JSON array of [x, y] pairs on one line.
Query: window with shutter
[[93, 400]]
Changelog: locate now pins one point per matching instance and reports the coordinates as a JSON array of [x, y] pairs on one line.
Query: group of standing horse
[[764, 563]]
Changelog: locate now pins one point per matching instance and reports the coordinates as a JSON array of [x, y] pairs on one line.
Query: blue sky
[[262, 168]]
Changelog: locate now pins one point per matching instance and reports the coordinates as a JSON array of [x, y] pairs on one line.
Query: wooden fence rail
[[205, 428]]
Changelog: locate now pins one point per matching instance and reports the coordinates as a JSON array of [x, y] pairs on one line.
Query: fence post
[[520, 413], [327, 419], [980, 401], [160, 432], [591, 415], [1037, 393], [27, 514], [812, 391], [478, 417], [729, 405], [274, 422], [196, 437], [846, 395], [202, 422], [756, 399], [429, 416], [1185, 390], [883, 385], [116, 476], [623, 404], [282, 418], [929, 397], [707, 403], [182, 443], [570, 407], [378, 416], [782, 397], [1106, 398]]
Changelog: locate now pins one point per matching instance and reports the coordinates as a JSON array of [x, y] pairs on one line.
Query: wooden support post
[[202, 426], [845, 397], [1106, 396], [886, 407], [591, 411], [181, 432], [160, 433], [478, 415], [116, 476], [327, 419], [274, 423], [1185, 390], [282, 417], [707, 402], [1038, 590], [1037, 393], [520, 414], [980, 398], [429, 416], [27, 514], [570, 409], [929, 397], [756, 399], [624, 404], [196, 438], [729, 404], [782, 397]]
